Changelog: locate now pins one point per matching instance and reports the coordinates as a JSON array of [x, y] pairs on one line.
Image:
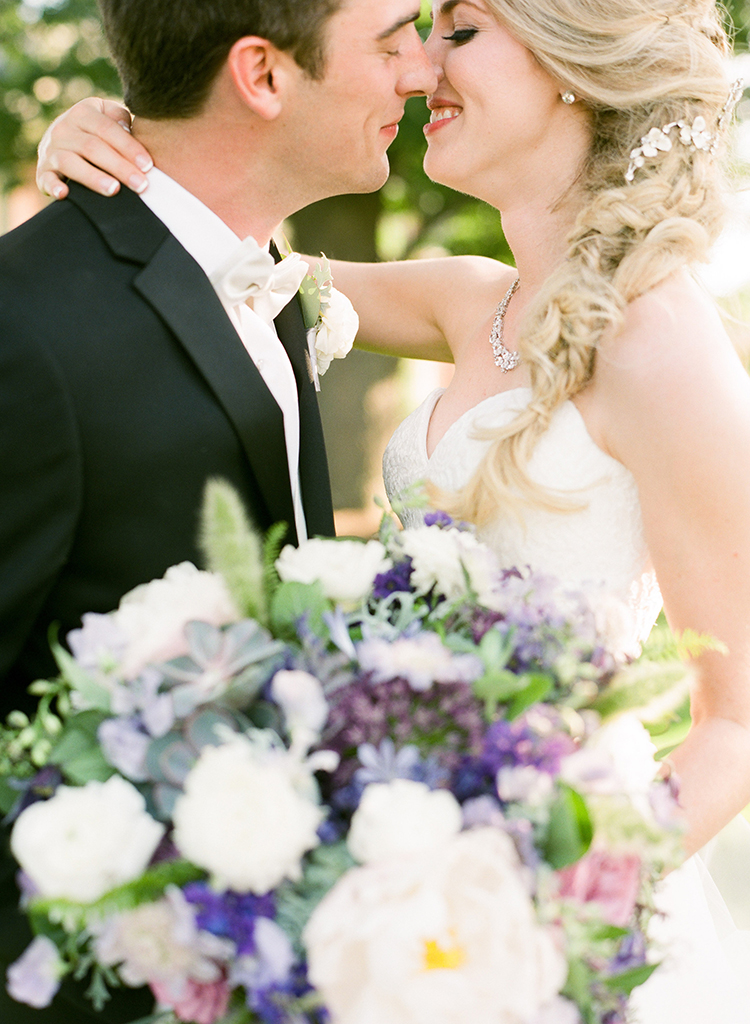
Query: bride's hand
[[90, 138]]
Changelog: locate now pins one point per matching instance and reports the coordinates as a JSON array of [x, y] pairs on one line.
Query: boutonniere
[[330, 319]]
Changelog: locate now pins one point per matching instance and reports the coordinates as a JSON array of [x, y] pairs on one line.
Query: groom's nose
[[418, 77]]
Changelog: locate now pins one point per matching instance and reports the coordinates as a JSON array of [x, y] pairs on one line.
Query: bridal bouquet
[[354, 782]]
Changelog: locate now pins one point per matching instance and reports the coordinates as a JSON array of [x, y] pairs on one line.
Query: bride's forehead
[[442, 8]]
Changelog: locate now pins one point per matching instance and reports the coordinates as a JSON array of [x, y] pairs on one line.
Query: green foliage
[[233, 548], [570, 829], [628, 980], [26, 743], [295, 901], [293, 601], [51, 55], [146, 889], [78, 753]]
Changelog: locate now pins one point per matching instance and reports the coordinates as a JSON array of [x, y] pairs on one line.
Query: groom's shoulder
[[85, 227]]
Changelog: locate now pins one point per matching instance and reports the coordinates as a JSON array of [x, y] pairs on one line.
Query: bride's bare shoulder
[[669, 371], [670, 337]]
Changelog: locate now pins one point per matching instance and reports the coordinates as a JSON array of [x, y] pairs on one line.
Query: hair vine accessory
[[568, 96], [693, 136], [504, 358]]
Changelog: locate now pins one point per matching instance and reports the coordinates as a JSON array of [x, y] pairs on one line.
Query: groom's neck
[[231, 177]]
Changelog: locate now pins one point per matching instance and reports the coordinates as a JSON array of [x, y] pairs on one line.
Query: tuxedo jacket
[[124, 387]]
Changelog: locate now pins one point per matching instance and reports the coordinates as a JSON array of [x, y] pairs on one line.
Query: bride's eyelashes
[[461, 35]]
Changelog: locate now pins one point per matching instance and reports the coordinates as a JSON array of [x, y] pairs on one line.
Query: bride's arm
[[405, 309], [673, 402]]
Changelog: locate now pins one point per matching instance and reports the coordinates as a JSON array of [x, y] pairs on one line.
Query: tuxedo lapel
[[180, 293], [313, 469]]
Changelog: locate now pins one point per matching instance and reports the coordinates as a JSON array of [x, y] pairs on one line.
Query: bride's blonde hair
[[637, 65]]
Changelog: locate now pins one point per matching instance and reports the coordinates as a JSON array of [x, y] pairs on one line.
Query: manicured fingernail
[[137, 183], [58, 191], [144, 162], [125, 125], [110, 188]]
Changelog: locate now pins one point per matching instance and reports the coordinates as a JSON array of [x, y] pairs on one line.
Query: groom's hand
[[90, 138]]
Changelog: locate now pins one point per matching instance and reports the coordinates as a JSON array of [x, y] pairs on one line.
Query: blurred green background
[[53, 54]]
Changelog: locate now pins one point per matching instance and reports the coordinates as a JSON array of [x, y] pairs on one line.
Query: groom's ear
[[259, 71]]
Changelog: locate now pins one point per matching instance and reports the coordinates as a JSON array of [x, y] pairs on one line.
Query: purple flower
[[35, 977], [632, 953], [125, 745], [229, 915], [439, 519], [384, 764], [535, 739], [41, 787], [99, 642], [444, 723], [398, 578]]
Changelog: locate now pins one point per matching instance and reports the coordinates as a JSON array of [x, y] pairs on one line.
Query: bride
[[597, 425]]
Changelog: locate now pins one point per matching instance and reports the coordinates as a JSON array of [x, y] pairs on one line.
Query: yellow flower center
[[438, 958]]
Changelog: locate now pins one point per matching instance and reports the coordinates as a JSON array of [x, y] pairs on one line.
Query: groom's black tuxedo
[[123, 388]]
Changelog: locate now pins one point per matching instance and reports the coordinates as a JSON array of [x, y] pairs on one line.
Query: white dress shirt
[[210, 242]]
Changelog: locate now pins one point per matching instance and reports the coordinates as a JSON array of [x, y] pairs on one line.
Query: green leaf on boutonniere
[[315, 292], [309, 297]]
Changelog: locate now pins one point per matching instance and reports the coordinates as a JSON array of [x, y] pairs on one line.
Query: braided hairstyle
[[636, 65]]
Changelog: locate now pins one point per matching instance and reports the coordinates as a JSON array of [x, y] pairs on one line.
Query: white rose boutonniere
[[331, 320]]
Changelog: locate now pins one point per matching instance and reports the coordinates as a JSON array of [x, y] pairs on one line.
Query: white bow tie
[[250, 275]]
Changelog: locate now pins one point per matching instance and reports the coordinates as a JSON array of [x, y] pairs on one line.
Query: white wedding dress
[[705, 978]]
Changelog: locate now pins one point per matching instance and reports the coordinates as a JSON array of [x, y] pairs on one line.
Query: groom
[[126, 379]]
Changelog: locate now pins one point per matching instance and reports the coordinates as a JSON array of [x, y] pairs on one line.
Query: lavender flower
[[35, 977], [384, 764], [536, 739], [125, 745], [443, 723], [439, 519]]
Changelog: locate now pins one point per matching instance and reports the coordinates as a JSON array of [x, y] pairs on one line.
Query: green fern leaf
[[233, 548]]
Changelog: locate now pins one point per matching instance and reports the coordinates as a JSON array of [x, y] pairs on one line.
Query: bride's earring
[[568, 97]]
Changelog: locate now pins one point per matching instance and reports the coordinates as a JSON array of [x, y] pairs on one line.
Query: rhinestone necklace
[[504, 358]]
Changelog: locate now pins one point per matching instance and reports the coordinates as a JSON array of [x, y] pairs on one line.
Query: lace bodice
[[600, 545]]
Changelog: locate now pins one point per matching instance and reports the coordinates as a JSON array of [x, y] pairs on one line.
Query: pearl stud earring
[[568, 97]]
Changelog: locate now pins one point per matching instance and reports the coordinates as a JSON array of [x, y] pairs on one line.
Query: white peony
[[449, 560], [443, 937], [346, 568], [336, 331], [402, 817], [244, 818], [86, 840], [153, 616], [300, 696]]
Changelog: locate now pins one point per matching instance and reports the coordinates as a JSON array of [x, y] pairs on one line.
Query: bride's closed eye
[[461, 35]]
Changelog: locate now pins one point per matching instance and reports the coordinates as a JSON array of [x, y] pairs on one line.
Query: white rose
[[617, 758], [243, 818], [443, 937], [345, 568], [524, 784], [336, 331], [300, 696], [402, 817], [443, 559], [153, 616], [86, 840]]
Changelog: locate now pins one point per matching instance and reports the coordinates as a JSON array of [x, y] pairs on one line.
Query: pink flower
[[610, 880], [198, 1002]]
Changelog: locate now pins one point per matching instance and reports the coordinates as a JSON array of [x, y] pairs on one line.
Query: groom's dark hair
[[169, 52]]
